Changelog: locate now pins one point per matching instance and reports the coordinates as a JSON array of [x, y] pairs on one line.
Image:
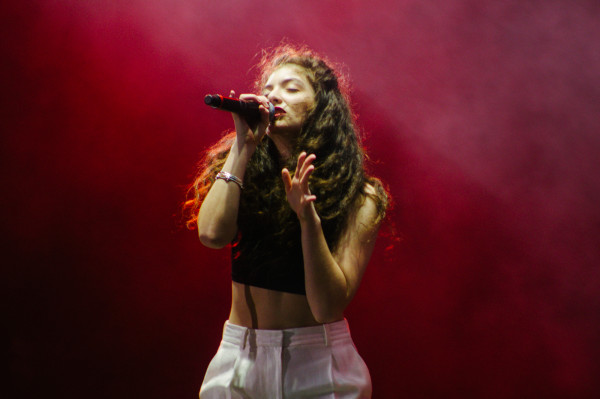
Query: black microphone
[[246, 109]]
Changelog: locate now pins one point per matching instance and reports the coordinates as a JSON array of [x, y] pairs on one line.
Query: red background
[[482, 116]]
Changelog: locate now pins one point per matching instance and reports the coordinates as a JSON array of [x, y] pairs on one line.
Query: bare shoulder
[[366, 212], [357, 241], [363, 223], [369, 189]]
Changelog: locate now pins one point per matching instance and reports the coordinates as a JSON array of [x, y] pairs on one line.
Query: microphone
[[246, 109]]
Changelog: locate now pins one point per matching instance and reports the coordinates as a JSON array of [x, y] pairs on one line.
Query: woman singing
[[292, 197]]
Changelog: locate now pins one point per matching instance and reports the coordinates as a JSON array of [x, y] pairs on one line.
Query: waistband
[[324, 334]]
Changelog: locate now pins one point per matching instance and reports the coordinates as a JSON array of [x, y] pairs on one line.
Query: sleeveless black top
[[283, 270]]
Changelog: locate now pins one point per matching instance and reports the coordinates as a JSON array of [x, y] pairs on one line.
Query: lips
[[279, 112]]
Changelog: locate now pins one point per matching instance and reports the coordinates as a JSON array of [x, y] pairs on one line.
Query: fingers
[[239, 121], [304, 169], [308, 163], [263, 107], [305, 165], [305, 177], [246, 132], [296, 188], [287, 179], [262, 100], [300, 162]]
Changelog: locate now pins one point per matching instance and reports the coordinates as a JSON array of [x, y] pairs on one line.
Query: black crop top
[[283, 271]]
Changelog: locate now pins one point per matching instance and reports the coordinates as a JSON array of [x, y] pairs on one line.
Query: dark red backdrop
[[482, 117]]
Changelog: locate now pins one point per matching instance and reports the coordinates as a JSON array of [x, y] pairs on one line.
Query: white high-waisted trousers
[[308, 362]]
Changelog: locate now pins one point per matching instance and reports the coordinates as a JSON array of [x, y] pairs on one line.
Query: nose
[[273, 97]]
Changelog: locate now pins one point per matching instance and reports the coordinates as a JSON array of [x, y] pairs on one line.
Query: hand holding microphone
[[247, 109], [252, 115]]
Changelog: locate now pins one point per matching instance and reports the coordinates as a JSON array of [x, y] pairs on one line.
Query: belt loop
[[326, 334], [244, 338], [284, 339]]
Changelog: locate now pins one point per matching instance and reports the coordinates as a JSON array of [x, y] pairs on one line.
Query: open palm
[[296, 188]]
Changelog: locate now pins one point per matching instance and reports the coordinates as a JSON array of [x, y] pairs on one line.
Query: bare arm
[[217, 218], [331, 279]]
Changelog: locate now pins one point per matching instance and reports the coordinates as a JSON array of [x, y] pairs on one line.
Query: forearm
[[325, 283], [217, 218]]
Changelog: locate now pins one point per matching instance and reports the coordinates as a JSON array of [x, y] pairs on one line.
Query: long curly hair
[[329, 131]]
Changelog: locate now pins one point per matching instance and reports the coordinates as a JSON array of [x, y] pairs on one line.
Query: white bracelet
[[229, 177]]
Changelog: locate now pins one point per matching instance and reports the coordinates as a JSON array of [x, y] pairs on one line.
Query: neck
[[283, 145]]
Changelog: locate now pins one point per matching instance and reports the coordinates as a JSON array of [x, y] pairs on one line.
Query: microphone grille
[[213, 100]]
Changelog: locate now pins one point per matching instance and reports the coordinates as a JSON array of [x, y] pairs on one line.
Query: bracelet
[[229, 177]]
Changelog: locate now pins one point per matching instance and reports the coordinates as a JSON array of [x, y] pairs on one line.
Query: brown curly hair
[[329, 131]]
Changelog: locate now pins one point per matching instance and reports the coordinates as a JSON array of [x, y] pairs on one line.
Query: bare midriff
[[255, 307]]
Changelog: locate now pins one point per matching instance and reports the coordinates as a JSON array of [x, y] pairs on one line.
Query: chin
[[276, 128], [279, 128]]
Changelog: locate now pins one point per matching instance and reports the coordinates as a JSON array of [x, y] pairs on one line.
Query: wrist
[[243, 148], [229, 177], [238, 158], [309, 218]]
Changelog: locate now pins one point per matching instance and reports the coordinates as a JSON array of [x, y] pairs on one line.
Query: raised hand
[[296, 188]]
